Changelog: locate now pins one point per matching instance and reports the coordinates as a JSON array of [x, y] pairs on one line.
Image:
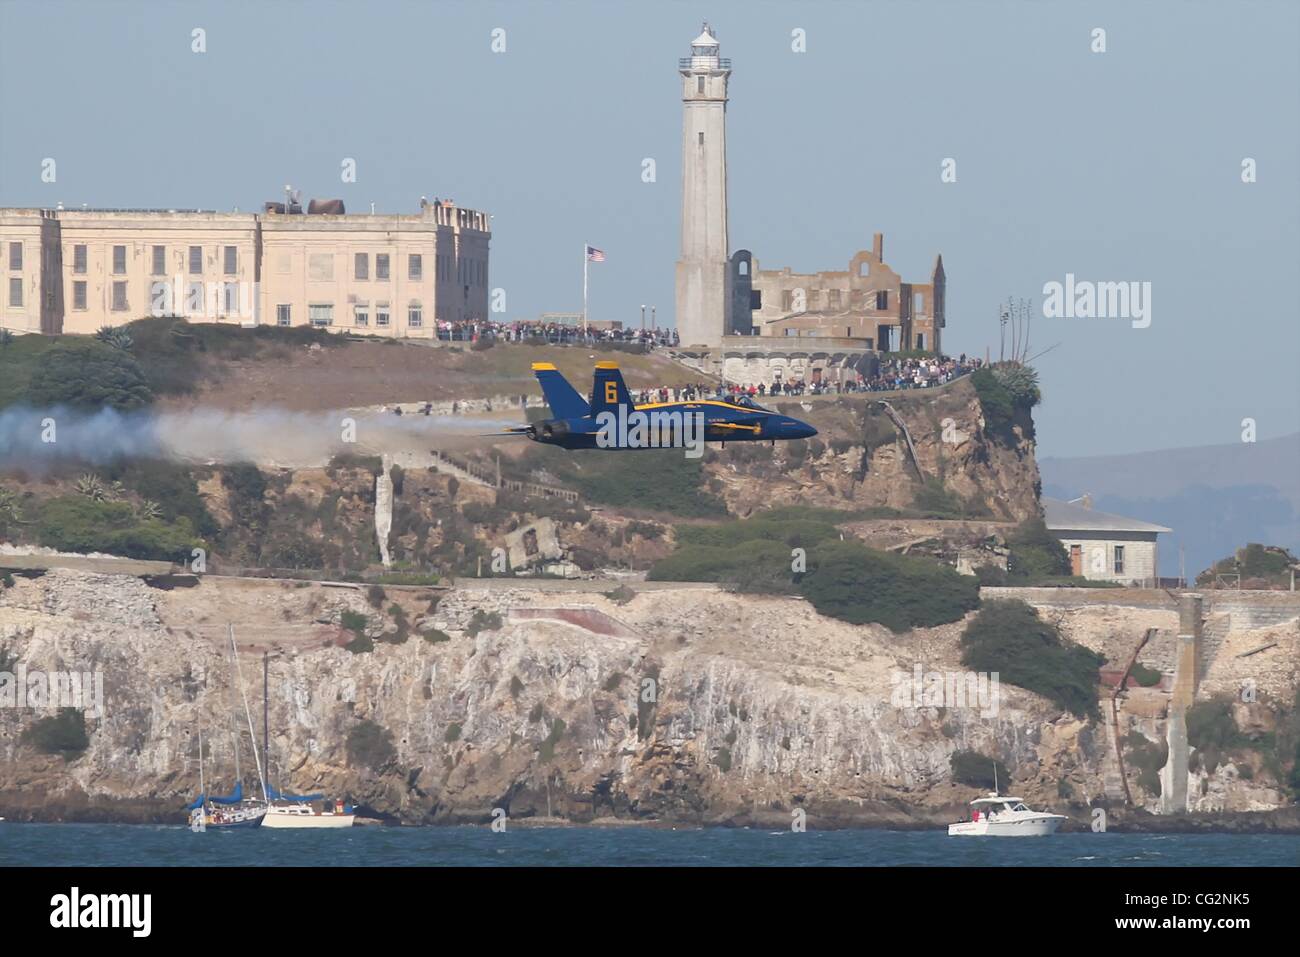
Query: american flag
[[595, 255]]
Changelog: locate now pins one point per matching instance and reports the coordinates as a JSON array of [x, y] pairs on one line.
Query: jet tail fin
[[564, 400], [608, 390]]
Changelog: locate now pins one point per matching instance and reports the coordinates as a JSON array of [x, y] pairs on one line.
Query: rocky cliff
[[682, 704]]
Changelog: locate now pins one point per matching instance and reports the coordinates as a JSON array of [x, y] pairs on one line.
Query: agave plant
[[115, 336], [92, 486], [148, 510], [1021, 381]]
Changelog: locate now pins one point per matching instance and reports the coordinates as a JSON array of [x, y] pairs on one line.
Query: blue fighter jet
[[609, 419]]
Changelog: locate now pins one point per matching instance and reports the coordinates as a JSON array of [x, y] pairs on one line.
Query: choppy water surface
[[114, 844]]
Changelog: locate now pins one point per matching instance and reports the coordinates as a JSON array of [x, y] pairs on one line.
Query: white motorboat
[[304, 815], [1002, 816]]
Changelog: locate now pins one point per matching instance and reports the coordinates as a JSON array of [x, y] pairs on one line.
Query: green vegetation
[[172, 351], [1006, 395], [1008, 637], [482, 621], [857, 584], [370, 746], [620, 595], [357, 623], [1259, 565], [655, 480], [978, 771], [842, 579], [87, 375], [1144, 676], [76, 523], [1035, 553], [172, 486], [1212, 731], [453, 732], [723, 759]]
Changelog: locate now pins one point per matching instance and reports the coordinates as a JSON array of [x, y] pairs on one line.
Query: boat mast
[[248, 715], [203, 791], [266, 709]]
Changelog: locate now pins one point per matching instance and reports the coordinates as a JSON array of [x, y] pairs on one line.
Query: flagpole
[[584, 290]]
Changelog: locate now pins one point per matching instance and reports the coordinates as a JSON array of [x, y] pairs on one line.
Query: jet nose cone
[[801, 430]]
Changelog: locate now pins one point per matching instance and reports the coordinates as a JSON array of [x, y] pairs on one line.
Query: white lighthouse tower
[[702, 274]]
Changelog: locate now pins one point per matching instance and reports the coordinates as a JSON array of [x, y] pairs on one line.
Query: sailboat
[[295, 810], [233, 809]]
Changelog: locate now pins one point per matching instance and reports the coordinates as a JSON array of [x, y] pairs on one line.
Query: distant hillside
[[1216, 498]]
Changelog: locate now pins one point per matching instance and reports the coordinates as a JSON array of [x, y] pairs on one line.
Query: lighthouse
[[702, 274]]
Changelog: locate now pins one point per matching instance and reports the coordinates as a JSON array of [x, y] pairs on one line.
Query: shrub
[[1144, 676], [621, 595], [1008, 637], [1212, 731], [370, 746], [979, 771], [355, 622], [78, 524], [1035, 553], [246, 486], [482, 621], [656, 480], [849, 581], [85, 374], [173, 486], [63, 733]]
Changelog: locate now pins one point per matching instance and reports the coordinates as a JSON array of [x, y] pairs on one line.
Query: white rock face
[[683, 704]]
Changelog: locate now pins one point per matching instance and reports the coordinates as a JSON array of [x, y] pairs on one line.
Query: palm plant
[[91, 486], [115, 336]]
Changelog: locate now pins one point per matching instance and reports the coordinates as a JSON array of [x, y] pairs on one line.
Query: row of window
[[471, 272], [834, 299], [322, 314]]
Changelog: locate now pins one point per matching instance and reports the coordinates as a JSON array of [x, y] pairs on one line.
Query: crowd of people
[[556, 333], [875, 375]]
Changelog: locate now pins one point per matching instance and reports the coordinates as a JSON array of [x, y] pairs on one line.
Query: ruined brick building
[[755, 325]]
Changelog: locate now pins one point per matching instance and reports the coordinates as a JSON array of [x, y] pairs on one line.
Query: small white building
[[1102, 546]]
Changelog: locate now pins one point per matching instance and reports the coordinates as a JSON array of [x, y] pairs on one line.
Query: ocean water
[[143, 845]]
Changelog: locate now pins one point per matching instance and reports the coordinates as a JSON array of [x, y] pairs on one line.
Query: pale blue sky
[[1116, 166]]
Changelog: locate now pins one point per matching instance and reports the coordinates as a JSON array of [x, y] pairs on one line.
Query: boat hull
[[249, 818], [1040, 826], [281, 819]]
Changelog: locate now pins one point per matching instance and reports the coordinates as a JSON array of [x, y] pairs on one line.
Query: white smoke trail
[[35, 439]]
